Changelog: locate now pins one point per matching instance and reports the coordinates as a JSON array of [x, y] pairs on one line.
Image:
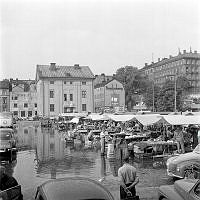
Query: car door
[[195, 192]]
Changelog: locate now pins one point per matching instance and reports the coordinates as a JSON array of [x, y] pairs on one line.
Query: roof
[[75, 188], [104, 83], [172, 59], [76, 71], [102, 78]]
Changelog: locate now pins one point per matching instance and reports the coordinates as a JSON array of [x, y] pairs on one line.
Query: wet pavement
[[45, 155]]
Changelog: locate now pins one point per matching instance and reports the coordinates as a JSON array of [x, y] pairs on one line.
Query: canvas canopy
[[146, 120], [75, 120], [98, 117], [121, 118], [180, 119]]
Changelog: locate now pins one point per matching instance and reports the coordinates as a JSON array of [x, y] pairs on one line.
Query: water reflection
[[44, 154]]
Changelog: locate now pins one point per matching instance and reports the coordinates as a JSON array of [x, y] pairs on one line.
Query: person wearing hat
[[6, 181], [128, 179]]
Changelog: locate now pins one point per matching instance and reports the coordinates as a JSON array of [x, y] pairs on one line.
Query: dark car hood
[[183, 187], [185, 157]]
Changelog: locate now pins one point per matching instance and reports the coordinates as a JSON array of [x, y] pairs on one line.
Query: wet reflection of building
[[50, 146], [27, 134]]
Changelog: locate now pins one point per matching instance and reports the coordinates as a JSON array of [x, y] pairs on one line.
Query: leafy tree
[[134, 83]]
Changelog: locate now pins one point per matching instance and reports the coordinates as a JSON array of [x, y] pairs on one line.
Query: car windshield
[[197, 149], [5, 135]]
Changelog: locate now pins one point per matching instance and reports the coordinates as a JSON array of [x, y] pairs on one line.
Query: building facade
[[109, 94], [186, 64], [4, 96], [23, 98], [64, 89]]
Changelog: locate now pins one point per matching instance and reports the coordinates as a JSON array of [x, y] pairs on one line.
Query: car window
[[197, 149], [197, 190]]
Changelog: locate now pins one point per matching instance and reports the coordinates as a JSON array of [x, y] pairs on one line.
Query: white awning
[[121, 118], [75, 120], [146, 120], [180, 119]]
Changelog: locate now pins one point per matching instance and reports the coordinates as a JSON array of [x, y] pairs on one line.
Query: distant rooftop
[[55, 71], [171, 58]]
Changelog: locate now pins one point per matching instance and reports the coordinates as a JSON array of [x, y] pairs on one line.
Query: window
[[83, 83], [71, 97], [51, 82], [65, 97], [25, 105], [51, 107], [83, 107], [15, 113], [30, 113], [4, 92], [4, 100], [35, 113], [51, 94], [22, 113], [15, 105], [15, 98], [65, 82], [35, 105], [25, 131], [71, 82], [83, 94]]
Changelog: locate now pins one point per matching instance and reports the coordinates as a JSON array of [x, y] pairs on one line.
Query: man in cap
[[6, 181], [128, 179]]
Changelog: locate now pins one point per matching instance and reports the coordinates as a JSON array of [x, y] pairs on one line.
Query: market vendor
[[178, 137]]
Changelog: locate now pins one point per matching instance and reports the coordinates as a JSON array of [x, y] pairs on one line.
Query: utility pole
[[175, 93], [153, 98]]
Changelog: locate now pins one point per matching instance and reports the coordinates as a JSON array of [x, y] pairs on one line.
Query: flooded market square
[[44, 154]]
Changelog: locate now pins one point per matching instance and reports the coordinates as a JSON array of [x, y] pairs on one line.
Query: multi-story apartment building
[[4, 96], [23, 98], [108, 93], [63, 89], [185, 64]]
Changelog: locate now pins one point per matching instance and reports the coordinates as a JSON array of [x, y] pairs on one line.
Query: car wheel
[[190, 174]]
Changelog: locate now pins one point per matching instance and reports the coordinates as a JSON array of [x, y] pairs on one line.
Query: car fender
[[193, 165], [169, 192]]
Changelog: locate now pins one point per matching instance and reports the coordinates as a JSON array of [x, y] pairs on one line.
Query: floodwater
[[44, 155]]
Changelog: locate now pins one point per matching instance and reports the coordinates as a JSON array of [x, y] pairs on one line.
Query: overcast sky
[[103, 34]]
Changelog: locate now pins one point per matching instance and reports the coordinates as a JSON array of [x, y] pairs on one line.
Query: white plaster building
[[64, 89], [23, 98]]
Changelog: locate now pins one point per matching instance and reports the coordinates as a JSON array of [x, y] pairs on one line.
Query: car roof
[[75, 188]]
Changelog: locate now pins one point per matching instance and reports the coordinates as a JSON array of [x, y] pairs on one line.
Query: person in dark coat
[[6, 181]]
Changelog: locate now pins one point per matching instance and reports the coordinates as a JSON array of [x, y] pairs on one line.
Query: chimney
[[52, 66], [76, 66], [146, 64], [195, 51], [152, 62], [103, 74], [184, 51], [158, 59], [170, 56]]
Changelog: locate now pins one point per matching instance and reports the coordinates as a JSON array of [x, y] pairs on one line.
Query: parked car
[[13, 193], [185, 189], [185, 165], [72, 189], [7, 144]]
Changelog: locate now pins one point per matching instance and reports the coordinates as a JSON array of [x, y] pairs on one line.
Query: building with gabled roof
[[23, 98], [109, 94], [4, 96], [64, 89]]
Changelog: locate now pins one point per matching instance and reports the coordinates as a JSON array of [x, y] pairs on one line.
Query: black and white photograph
[[99, 100]]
